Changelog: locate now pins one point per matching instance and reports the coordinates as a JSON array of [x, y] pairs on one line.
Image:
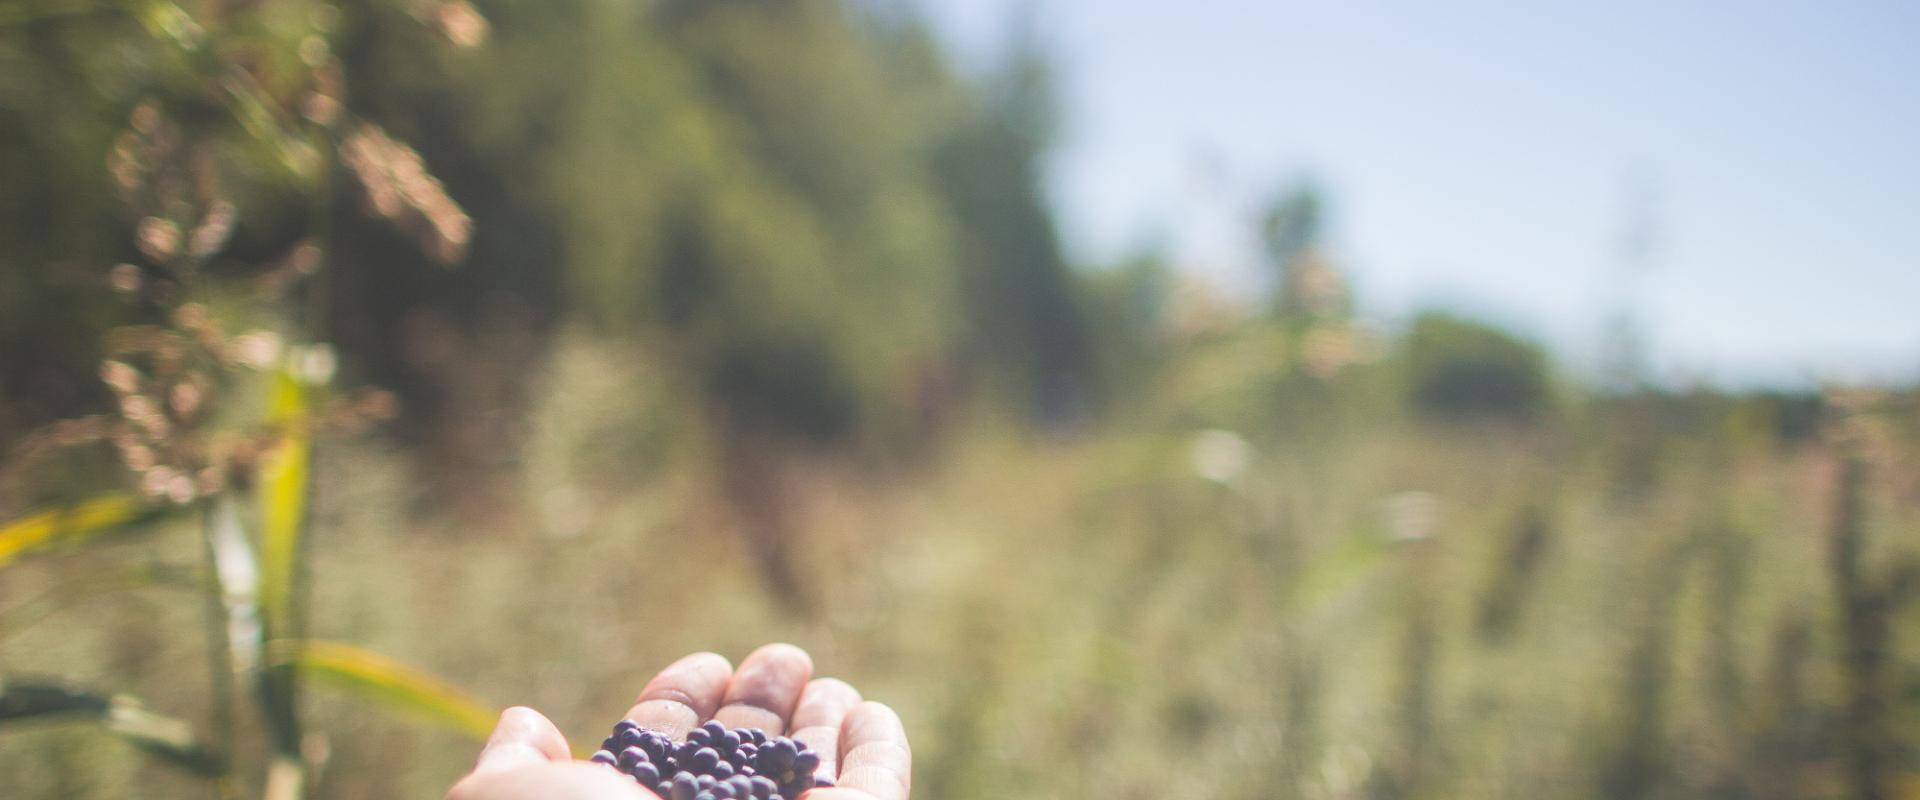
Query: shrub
[[1461, 368]]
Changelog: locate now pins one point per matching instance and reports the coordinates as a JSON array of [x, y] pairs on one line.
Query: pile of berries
[[714, 763]]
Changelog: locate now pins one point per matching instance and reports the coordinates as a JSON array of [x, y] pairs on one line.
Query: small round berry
[[777, 756], [646, 773], [705, 759]]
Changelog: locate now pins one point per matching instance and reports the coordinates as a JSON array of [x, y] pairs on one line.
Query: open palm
[[861, 744]]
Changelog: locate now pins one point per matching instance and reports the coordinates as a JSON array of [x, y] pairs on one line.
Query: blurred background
[[1204, 400]]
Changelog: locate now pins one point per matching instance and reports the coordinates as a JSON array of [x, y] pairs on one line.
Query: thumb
[[523, 736]]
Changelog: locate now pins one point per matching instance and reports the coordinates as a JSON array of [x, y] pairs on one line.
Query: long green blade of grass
[[164, 737], [58, 526], [283, 502], [380, 679]]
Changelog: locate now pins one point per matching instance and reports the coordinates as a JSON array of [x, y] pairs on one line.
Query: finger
[[683, 694], [873, 754], [816, 720], [523, 736], [766, 688]]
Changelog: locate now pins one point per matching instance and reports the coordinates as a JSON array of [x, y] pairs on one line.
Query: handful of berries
[[714, 763]]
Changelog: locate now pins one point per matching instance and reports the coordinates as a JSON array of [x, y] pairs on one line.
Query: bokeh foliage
[[714, 322]]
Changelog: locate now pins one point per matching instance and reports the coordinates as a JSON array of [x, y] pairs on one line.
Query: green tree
[[1025, 320], [1459, 368]]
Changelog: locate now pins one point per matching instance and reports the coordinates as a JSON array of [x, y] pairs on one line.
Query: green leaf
[[74, 523], [281, 497], [284, 474], [171, 740], [378, 678]]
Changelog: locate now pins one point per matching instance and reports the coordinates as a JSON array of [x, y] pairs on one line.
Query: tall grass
[[215, 424]]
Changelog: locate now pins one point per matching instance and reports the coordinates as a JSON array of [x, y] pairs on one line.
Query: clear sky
[[1494, 155]]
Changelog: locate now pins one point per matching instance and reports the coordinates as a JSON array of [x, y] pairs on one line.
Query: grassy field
[[1603, 604], [366, 367]]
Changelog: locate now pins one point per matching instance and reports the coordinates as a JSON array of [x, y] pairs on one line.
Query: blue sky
[[1492, 155]]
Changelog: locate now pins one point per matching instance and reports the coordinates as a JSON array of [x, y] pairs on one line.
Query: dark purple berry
[[714, 761], [777, 756], [705, 759], [646, 773]]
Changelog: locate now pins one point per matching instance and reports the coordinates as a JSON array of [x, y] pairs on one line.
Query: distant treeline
[[801, 202], [827, 231]]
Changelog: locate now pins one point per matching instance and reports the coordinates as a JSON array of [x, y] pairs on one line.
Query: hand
[[862, 744]]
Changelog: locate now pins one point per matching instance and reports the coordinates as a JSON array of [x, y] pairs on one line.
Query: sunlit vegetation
[[368, 366]]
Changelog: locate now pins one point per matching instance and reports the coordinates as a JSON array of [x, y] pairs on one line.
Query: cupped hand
[[862, 745]]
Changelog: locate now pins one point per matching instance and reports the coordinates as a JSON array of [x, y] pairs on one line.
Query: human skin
[[861, 743]]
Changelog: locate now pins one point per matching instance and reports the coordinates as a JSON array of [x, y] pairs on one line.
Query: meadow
[[367, 367], [1372, 606]]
